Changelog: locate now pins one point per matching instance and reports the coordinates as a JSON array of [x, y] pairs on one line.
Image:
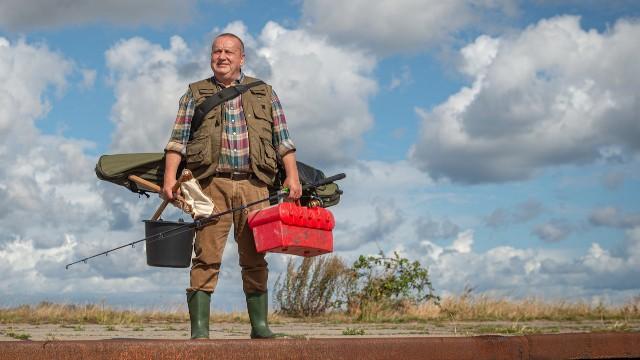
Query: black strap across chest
[[216, 99]]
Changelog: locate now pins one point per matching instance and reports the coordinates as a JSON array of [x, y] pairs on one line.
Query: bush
[[313, 288], [373, 284], [387, 283]]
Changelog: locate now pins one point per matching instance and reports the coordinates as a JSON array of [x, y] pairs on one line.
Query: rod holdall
[[325, 195]]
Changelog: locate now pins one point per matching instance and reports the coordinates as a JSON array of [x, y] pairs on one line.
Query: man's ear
[[242, 60]]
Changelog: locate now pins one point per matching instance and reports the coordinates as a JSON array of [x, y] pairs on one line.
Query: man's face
[[226, 58]]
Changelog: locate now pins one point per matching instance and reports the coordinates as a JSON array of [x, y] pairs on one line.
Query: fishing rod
[[197, 224]]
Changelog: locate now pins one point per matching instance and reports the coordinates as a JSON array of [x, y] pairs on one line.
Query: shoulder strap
[[216, 99]]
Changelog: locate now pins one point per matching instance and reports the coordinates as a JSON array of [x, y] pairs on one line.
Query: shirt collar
[[236, 82]]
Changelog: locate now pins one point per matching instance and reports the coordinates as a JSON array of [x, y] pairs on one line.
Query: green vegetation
[[377, 288], [387, 283], [18, 336], [371, 285], [353, 331]]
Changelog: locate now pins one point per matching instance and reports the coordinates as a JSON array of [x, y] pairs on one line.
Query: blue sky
[[497, 142]]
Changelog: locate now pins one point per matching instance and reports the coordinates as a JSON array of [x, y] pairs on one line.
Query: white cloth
[[199, 205]]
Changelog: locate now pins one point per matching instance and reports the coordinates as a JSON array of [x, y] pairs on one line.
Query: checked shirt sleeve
[[281, 140], [182, 126]]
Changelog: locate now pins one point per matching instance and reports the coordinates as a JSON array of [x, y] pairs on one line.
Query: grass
[[451, 309], [73, 316], [353, 331], [18, 336]]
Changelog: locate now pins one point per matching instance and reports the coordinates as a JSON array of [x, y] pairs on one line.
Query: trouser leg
[[211, 239], [253, 263], [205, 268]]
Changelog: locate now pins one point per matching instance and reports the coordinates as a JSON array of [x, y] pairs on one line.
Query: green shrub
[[387, 283], [373, 284]]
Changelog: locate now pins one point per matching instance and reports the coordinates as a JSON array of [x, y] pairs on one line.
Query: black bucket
[[173, 248]]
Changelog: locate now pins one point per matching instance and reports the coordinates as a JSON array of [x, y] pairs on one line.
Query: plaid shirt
[[234, 149]]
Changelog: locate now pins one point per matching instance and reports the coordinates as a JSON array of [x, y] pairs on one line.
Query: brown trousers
[[211, 239]]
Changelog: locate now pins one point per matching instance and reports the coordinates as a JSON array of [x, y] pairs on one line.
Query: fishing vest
[[203, 150]]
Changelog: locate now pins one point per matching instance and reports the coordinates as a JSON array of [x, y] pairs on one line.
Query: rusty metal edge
[[555, 346]]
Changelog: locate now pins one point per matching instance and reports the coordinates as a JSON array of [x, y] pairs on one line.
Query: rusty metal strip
[[559, 346]]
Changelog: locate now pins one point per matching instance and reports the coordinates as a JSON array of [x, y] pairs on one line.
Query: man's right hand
[[172, 161], [167, 189]]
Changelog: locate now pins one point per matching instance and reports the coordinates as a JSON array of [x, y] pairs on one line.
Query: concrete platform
[[560, 346]]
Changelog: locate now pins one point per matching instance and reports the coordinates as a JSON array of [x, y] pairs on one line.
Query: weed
[[110, 328], [353, 331], [313, 288], [19, 336], [138, 328]]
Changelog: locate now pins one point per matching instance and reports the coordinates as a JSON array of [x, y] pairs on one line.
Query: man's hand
[[171, 163], [295, 189], [292, 182], [167, 189]]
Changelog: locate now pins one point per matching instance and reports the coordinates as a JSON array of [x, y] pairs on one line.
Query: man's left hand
[[295, 189]]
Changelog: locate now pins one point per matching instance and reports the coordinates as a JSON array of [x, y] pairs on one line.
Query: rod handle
[[186, 176], [325, 181]]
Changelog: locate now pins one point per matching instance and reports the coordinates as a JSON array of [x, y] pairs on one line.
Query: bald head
[[233, 36]]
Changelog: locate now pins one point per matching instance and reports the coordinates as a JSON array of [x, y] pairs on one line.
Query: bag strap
[[216, 99]]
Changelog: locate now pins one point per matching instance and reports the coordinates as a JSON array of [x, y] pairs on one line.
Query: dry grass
[[51, 313], [483, 308], [461, 308]]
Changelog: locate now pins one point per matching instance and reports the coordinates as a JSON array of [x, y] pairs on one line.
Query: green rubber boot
[[199, 303], [258, 307]]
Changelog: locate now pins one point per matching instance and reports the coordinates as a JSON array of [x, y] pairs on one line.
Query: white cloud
[[529, 109], [399, 25], [324, 90], [28, 15], [88, 78], [502, 271], [148, 80], [463, 242], [28, 73]]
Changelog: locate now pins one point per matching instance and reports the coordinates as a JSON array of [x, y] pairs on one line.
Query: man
[[233, 154]]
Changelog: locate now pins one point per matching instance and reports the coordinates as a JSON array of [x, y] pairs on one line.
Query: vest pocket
[[198, 154], [268, 154]]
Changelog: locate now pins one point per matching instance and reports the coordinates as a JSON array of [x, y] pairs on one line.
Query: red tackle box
[[291, 229]]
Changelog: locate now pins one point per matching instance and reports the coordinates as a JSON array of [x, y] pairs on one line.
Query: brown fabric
[[203, 150], [211, 239]]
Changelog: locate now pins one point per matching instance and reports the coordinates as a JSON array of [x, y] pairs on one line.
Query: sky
[[495, 141]]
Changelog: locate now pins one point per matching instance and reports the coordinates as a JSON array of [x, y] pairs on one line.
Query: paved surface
[[180, 331], [559, 346]]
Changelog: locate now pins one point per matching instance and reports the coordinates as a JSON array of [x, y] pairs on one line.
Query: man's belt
[[235, 175]]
